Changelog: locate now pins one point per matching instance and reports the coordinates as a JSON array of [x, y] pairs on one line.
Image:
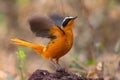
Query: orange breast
[[59, 47]]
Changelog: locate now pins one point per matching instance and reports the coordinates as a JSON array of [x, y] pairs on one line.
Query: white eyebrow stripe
[[66, 18]]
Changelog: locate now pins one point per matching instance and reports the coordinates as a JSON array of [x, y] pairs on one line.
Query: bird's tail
[[37, 47]]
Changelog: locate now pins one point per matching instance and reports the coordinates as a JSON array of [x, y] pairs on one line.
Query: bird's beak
[[73, 18]]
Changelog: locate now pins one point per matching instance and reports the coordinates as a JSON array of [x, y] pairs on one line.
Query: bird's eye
[[65, 22]]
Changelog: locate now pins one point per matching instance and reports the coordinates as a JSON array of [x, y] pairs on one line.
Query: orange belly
[[57, 48]]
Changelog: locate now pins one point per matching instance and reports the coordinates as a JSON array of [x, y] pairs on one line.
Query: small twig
[[21, 70], [21, 57]]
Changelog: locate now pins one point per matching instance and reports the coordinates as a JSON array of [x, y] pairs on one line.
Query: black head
[[67, 20]]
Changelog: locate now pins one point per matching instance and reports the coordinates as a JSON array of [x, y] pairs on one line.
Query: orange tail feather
[[38, 48]]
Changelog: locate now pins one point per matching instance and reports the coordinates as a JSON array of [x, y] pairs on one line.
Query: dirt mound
[[60, 74]]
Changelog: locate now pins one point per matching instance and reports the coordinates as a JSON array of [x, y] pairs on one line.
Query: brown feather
[[41, 25]]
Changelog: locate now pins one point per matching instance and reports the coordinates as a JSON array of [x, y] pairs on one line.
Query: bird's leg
[[53, 62], [59, 67], [56, 64], [57, 61]]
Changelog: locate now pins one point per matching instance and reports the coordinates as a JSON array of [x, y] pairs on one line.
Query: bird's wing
[[57, 19], [45, 26]]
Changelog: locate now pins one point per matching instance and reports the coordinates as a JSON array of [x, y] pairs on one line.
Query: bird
[[54, 27]]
